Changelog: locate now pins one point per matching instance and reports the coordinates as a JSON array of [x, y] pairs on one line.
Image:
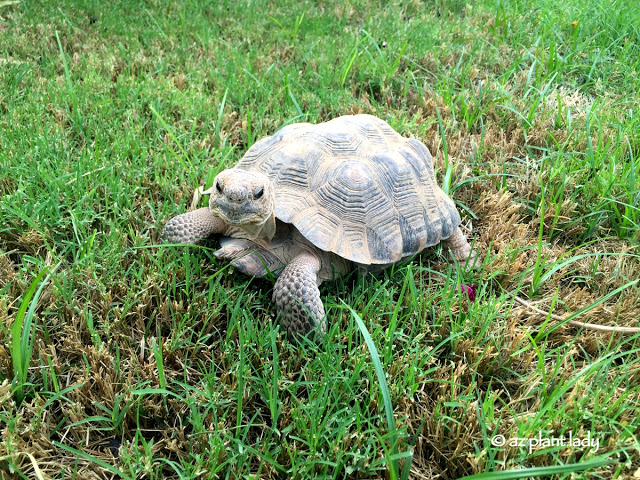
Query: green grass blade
[[349, 65], [93, 459], [536, 472], [384, 389], [21, 338]]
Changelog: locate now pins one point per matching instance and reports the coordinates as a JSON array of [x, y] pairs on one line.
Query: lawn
[[124, 358]]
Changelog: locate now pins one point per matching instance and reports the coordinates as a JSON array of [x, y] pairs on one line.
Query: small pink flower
[[470, 290]]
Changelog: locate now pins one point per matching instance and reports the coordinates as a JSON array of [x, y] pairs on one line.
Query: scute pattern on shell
[[355, 187]]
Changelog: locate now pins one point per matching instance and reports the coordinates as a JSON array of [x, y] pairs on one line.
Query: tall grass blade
[[21, 339], [537, 472], [220, 118], [384, 389], [349, 65]]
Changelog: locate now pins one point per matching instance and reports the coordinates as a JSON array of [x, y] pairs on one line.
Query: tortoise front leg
[[192, 227], [297, 297]]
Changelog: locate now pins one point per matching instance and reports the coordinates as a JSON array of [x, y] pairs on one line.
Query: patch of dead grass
[[513, 247]]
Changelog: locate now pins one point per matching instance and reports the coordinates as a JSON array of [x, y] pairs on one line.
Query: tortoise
[[312, 202]]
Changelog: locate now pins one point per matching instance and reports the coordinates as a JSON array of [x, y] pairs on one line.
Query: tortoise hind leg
[[460, 248], [297, 297]]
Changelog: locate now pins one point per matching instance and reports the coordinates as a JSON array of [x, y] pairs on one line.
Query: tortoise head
[[244, 199]]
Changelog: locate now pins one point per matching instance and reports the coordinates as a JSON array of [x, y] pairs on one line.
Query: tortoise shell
[[355, 187]]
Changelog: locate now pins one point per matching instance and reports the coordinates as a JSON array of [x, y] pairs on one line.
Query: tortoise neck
[[269, 227], [265, 229]]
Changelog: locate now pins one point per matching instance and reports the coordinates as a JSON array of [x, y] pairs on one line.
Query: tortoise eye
[[218, 187], [258, 194]]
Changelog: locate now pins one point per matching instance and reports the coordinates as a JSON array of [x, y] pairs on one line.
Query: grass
[[21, 348], [143, 361]]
